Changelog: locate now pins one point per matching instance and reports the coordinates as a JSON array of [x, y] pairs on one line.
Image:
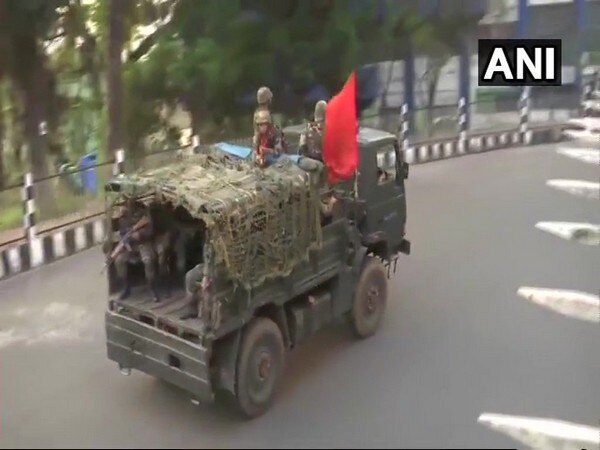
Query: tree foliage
[[206, 57]]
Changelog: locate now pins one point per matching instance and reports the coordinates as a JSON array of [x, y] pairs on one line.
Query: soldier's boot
[[193, 313], [126, 291], [154, 291]]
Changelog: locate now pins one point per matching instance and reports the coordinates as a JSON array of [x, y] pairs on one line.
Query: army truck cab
[[287, 260]]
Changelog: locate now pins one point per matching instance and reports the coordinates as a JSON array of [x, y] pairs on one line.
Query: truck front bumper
[[135, 345]]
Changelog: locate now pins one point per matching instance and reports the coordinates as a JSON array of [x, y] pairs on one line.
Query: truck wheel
[[260, 367], [370, 299]]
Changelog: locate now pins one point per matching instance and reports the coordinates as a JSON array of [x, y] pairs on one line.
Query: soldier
[[270, 142], [139, 247], [198, 279], [311, 139], [264, 97]]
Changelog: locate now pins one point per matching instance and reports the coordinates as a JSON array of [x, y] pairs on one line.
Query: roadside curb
[[87, 234], [51, 247], [424, 152]]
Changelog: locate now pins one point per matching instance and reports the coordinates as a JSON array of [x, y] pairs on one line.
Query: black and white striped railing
[[435, 150], [524, 105], [50, 247], [39, 250], [29, 207]]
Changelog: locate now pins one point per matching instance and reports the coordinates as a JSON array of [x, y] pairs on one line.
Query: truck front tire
[[260, 367], [370, 299]]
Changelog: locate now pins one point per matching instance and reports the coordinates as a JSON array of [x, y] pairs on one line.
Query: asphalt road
[[457, 340]]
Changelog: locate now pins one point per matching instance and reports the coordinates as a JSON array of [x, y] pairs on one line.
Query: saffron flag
[[340, 149]]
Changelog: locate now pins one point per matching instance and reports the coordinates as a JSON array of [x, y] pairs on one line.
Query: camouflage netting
[[262, 222]]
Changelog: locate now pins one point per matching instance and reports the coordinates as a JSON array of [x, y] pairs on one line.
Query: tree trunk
[[15, 125], [432, 82], [116, 40], [2, 169], [35, 95]]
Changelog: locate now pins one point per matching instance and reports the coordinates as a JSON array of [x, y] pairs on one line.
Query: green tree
[[23, 25], [116, 40]]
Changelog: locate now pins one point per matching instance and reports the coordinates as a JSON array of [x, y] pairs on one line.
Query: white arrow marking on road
[[8, 337], [55, 323], [576, 304], [543, 434], [583, 233], [587, 189], [587, 155]]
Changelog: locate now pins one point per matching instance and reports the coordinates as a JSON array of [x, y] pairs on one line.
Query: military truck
[[285, 264]]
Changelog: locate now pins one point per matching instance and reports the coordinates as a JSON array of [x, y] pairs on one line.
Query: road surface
[[457, 340]]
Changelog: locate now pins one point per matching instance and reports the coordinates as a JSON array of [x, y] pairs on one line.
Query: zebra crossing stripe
[[580, 188], [583, 233], [575, 304], [542, 434], [586, 155]]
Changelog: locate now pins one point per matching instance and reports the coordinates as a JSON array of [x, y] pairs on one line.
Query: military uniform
[[270, 142], [140, 249], [264, 97], [311, 139], [198, 279]]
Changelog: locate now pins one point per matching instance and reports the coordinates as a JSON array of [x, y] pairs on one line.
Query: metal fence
[[441, 121], [77, 195]]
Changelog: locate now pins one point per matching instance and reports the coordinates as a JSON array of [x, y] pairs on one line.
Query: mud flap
[[225, 361]]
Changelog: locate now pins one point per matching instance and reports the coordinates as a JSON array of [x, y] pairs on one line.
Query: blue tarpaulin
[[88, 177], [245, 152], [235, 150]]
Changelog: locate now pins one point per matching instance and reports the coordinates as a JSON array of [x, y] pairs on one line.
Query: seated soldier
[[264, 97], [270, 140], [139, 246], [311, 139], [197, 282]]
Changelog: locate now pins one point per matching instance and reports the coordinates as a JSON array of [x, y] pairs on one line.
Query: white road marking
[[58, 243], [581, 188], [14, 259], [448, 148], [99, 231], [575, 304], [587, 155], [80, 238], [36, 252], [55, 323], [583, 233], [8, 337], [544, 434], [410, 155]]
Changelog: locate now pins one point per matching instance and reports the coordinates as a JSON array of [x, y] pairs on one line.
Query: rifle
[[124, 242]]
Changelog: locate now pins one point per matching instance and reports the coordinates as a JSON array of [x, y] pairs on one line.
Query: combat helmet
[[264, 95], [320, 108]]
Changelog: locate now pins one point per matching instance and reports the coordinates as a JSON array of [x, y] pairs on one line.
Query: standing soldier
[[270, 142], [139, 246], [311, 139], [264, 97]]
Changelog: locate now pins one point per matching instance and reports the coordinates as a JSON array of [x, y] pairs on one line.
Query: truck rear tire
[[370, 299], [260, 367]]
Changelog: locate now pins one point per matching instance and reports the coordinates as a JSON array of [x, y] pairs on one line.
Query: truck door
[[384, 192]]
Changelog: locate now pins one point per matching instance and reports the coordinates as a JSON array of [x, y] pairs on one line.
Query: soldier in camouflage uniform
[[264, 97], [311, 139], [197, 282], [140, 247], [270, 142]]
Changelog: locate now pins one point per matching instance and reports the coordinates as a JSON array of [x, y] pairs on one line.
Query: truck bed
[[164, 315]]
